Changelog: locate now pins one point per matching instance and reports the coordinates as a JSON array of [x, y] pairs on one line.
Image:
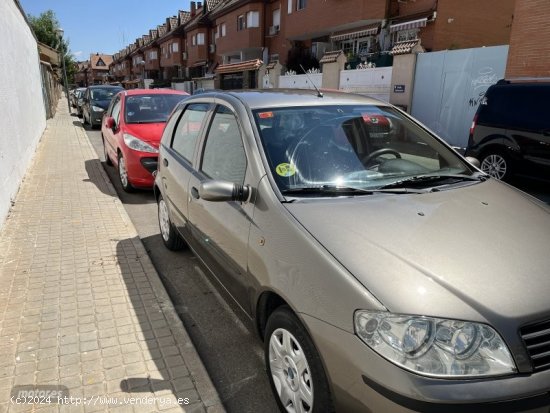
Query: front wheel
[[296, 374], [172, 240], [497, 164]]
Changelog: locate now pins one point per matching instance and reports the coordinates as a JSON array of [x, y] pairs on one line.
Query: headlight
[[137, 144], [435, 347], [97, 109]]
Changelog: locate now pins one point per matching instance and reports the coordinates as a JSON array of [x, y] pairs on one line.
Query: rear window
[[518, 107]]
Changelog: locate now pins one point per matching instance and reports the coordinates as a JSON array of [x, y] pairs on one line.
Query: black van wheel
[[496, 163]]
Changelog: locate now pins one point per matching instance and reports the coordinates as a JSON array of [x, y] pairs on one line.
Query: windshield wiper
[[429, 179], [335, 190]]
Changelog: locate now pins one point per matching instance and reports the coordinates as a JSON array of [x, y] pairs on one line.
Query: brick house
[[81, 75], [229, 39], [529, 55], [173, 51], [98, 69]]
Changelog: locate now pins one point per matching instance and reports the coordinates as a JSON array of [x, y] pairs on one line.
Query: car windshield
[[103, 94], [363, 147], [152, 108]]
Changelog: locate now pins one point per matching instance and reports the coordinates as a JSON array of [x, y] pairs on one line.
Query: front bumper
[[362, 380], [140, 167], [96, 117]]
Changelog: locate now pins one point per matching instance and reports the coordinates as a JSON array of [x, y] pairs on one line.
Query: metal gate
[[448, 86]]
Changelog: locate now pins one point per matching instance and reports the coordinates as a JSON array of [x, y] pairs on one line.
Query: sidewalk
[[81, 304]]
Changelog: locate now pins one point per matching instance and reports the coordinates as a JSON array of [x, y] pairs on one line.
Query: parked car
[[384, 275], [77, 99], [131, 133], [510, 132], [95, 102]]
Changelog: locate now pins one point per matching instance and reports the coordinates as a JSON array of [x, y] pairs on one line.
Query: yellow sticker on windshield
[[285, 169]]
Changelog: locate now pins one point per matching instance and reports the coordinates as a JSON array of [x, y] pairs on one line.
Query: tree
[[45, 28]]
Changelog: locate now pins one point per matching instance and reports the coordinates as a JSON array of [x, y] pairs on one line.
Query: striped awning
[[414, 24], [371, 30], [239, 66]]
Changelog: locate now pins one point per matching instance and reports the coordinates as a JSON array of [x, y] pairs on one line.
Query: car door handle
[[165, 162], [195, 193]]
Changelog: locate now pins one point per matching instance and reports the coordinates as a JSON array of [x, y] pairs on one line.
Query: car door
[[529, 119], [176, 161], [220, 229], [110, 135]]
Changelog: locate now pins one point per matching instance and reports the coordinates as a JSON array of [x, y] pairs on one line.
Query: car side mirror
[[473, 161], [222, 191], [110, 122]]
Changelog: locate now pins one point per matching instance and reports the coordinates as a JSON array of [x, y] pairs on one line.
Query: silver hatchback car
[[384, 272]]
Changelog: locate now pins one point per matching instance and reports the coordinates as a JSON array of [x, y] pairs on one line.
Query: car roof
[[133, 92], [266, 98], [104, 87]]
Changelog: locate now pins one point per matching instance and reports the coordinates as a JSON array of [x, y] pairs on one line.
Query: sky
[[105, 26]]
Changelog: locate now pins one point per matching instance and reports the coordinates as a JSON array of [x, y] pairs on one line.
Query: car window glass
[[188, 130], [224, 157], [150, 108], [364, 146], [110, 108], [116, 111]]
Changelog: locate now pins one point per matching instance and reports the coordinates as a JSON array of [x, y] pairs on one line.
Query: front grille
[[537, 339]]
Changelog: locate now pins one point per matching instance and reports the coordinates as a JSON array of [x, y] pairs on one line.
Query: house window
[[223, 30], [253, 19], [153, 55], [194, 40], [100, 63], [175, 47], [300, 4], [289, 9], [241, 22], [405, 35], [200, 38], [277, 17]]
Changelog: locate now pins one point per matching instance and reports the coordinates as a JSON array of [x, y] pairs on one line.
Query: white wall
[[23, 116], [374, 82], [301, 81], [448, 86]]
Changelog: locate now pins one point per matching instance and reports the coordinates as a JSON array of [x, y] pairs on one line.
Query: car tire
[[107, 159], [170, 237], [295, 370], [497, 163], [123, 174]]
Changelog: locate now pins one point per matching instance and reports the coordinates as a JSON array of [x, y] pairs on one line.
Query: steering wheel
[[373, 155]]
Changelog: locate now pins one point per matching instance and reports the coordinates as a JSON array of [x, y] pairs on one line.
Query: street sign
[[398, 88]]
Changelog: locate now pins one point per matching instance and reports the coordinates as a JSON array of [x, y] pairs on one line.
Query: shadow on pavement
[[92, 169], [77, 123], [206, 311], [156, 346]]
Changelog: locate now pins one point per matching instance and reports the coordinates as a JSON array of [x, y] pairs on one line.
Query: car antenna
[[319, 93]]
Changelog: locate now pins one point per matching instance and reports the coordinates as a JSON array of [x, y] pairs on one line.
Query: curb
[[206, 390]]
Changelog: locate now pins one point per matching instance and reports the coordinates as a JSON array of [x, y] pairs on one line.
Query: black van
[[510, 133]]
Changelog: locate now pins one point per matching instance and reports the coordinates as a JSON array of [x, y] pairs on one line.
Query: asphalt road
[[224, 337]]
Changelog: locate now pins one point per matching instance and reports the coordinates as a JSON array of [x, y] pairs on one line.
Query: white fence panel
[[301, 81], [374, 82], [449, 85], [23, 112]]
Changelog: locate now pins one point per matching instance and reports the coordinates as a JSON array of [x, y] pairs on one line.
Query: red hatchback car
[[131, 130]]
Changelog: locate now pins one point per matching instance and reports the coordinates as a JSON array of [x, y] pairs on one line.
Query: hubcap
[[494, 165], [122, 171], [290, 372], [164, 221]]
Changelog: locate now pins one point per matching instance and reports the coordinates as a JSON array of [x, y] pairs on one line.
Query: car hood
[[148, 132], [479, 252]]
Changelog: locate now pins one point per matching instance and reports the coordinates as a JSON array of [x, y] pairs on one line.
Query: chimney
[[193, 8], [199, 4]]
